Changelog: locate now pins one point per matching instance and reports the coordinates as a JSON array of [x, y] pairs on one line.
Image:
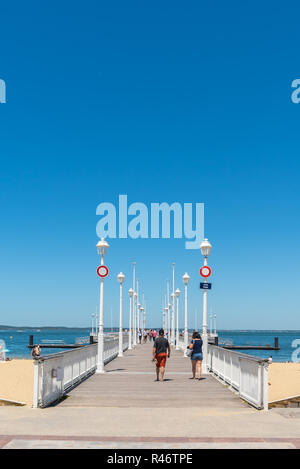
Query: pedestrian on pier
[[160, 352], [140, 336], [196, 357]]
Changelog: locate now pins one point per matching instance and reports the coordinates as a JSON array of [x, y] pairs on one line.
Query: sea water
[[289, 342], [17, 341]]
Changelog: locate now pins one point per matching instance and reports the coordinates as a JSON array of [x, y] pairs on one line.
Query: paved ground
[[126, 408], [47, 443]]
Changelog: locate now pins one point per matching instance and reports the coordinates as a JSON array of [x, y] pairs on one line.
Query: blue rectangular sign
[[205, 286]]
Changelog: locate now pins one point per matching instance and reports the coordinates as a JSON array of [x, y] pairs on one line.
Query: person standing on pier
[[196, 357], [160, 352]]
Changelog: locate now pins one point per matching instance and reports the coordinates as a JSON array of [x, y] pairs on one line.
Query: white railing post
[[36, 384], [265, 382], [260, 385]]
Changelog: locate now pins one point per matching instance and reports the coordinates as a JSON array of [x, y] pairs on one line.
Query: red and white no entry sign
[[205, 271], [102, 271]]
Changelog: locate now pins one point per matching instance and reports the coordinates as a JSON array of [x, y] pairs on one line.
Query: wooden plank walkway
[[130, 382]]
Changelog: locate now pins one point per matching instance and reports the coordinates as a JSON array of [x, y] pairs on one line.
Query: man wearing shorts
[[160, 352]]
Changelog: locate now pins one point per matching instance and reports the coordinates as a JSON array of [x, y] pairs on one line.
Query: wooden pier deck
[[130, 382]]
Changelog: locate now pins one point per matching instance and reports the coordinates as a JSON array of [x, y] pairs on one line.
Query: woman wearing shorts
[[196, 357]]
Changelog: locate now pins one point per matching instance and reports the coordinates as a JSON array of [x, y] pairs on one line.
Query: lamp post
[[137, 307], [96, 323], [173, 319], [142, 317], [134, 318], [166, 319], [177, 293], [138, 318], [143, 313], [130, 291], [121, 278], [173, 310], [102, 247], [133, 306], [165, 315], [169, 321], [186, 279], [93, 315], [205, 247], [168, 306]]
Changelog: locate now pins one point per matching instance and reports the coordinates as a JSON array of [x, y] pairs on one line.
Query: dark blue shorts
[[197, 356]]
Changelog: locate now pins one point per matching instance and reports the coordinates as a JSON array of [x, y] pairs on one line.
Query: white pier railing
[[246, 374], [58, 373]]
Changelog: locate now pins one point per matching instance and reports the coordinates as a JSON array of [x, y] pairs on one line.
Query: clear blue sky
[[163, 101]]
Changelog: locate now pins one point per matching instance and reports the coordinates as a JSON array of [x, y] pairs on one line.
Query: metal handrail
[[241, 355]]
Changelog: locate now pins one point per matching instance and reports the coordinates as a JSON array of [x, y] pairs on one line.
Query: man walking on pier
[[160, 351]]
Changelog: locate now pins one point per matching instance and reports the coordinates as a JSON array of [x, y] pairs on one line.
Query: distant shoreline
[[32, 328], [88, 328]]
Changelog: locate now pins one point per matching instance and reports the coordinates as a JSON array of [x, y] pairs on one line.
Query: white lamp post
[[96, 323], [130, 291], [138, 317], [186, 279], [93, 315], [205, 247], [173, 319], [142, 317], [133, 306], [102, 247], [137, 307], [177, 293], [166, 319], [173, 311], [169, 321], [121, 278], [134, 318]]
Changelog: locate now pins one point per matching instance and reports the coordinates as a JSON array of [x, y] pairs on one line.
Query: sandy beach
[[16, 381], [284, 381]]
